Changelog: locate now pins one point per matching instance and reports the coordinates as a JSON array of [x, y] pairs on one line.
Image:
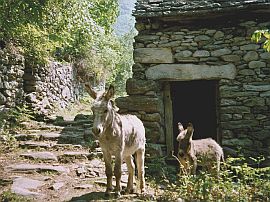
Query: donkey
[[205, 152], [120, 136]]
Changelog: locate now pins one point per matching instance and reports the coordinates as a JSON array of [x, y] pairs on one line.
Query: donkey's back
[[207, 147]]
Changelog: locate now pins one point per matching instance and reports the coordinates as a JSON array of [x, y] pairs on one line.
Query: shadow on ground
[[92, 196]]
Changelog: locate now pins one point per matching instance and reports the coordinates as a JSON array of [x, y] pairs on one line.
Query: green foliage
[[262, 34], [9, 122], [63, 29], [11, 197], [236, 182]]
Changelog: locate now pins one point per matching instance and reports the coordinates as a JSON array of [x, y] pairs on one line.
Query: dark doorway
[[195, 102]]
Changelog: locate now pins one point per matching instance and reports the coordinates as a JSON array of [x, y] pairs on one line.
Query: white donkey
[[120, 136]]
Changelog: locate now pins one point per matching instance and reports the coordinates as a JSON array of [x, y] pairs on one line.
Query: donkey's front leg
[[108, 171], [118, 173]]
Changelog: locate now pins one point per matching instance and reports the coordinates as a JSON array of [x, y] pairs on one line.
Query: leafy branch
[[262, 34]]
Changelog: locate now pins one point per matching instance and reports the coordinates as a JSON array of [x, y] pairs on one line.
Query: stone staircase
[[56, 162]]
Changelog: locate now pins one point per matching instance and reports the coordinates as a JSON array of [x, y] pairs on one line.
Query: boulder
[[153, 55], [135, 87]]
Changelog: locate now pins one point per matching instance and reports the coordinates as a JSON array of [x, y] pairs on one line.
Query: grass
[[8, 196], [237, 181]]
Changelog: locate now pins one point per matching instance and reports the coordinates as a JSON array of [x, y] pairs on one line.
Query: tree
[[62, 29], [262, 35]]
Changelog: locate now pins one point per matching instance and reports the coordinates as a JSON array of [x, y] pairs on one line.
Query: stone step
[[73, 123], [35, 144], [70, 137], [44, 156], [52, 145], [32, 168], [29, 125], [70, 156], [26, 187]]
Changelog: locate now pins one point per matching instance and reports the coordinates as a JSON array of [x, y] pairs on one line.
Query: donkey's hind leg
[[131, 170], [140, 167]]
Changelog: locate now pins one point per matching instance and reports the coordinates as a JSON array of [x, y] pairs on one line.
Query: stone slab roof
[[159, 8]]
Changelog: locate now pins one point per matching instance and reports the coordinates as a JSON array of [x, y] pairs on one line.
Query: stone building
[[195, 62]]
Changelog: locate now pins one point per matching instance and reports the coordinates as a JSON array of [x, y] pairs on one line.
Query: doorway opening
[[195, 102]]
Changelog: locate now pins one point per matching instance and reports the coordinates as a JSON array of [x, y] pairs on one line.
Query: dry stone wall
[[11, 82], [42, 87], [49, 87], [167, 51]]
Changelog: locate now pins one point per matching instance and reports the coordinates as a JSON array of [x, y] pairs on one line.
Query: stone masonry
[[42, 87], [50, 86], [11, 82], [182, 43]]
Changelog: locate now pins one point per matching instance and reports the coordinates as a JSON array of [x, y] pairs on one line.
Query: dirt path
[[54, 162]]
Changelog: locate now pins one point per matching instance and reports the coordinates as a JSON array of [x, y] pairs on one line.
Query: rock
[[3, 99], [76, 154], [256, 64], [249, 47], [220, 52], [66, 94], [234, 109], [31, 144], [40, 156], [246, 72], [177, 37], [183, 54], [146, 38], [187, 72], [37, 168], [153, 132], [50, 136], [250, 56], [140, 103], [24, 186], [153, 55], [231, 58], [80, 117], [58, 185], [201, 53], [84, 186], [135, 87], [31, 97], [265, 55], [155, 117], [170, 44], [153, 150], [259, 88], [265, 94], [244, 142], [81, 170], [218, 35], [202, 38], [239, 124]]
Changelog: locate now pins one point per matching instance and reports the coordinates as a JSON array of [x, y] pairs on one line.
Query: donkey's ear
[[180, 127], [90, 91], [110, 92], [190, 131]]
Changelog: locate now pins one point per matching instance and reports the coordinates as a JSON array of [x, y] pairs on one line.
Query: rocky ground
[[59, 161]]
